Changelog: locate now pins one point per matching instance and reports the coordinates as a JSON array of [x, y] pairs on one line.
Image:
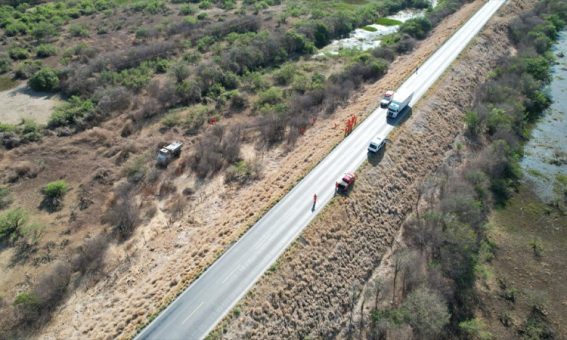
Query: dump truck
[[399, 103], [376, 144], [387, 99], [345, 183], [168, 153]]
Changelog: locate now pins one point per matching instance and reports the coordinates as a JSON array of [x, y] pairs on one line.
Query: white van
[[376, 144]]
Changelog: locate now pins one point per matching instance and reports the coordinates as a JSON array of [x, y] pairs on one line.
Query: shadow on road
[[376, 157], [401, 118]]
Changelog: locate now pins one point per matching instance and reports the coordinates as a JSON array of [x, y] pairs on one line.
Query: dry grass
[[164, 255], [310, 292], [534, 279]]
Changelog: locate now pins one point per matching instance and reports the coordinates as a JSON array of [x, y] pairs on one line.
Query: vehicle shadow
[[401, 118], [376, 157]]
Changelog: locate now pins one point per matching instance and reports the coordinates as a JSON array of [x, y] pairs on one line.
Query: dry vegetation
[[342, 269], [117, 228]]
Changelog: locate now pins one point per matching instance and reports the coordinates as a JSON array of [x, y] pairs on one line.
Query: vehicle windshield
[[394, 107]]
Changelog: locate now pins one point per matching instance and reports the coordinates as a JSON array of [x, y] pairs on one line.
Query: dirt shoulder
[[310, 290]]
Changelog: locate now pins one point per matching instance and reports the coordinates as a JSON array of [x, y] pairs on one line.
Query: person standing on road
[[416, 69], [314, 201]]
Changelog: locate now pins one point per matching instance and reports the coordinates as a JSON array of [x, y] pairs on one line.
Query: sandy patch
[[22, 102]]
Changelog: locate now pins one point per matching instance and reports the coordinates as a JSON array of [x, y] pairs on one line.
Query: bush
[[44, 31], [5, 64], [284, 76], [11, 224], [27, 69], [5, 199], [53, 193], [18, 53], [45, 50], [45, 79], [271, 96], [123, 214], [77, 30], [242, 172], [416, 27], [75, 111]]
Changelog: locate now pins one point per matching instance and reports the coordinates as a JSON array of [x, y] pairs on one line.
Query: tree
[[45, 79], [426, 312]]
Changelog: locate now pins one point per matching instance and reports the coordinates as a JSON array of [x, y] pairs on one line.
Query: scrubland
[[95, 238], [411, 253]]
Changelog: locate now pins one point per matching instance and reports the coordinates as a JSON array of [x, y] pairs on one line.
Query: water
[[364, 40], [546, 153]]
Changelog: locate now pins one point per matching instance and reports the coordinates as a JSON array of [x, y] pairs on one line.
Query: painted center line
[[230, 274], [190, 315]]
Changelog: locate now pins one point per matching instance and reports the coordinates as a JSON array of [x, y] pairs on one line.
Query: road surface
[[201, 306]]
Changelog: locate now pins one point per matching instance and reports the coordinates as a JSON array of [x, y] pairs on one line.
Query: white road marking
[[190, 315], [230, 274]]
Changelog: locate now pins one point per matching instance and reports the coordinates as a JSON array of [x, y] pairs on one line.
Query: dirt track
[[309, 293]]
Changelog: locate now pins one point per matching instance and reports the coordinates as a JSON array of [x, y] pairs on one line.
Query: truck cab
[[345, 183], [387, 99], [375, 144], [167, 153], [399, 103]]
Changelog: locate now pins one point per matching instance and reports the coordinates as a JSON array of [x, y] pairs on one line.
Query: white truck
[[167, 153], [400, 101], [375, 144]]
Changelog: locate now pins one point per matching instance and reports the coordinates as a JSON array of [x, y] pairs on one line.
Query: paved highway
[[201, 306]]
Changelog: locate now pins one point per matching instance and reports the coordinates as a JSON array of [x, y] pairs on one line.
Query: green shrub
[[45, 50], [5, 199], [162, 66], [53, 194], [171, 120], [202, 16], [16, 28], [45, 79], [187, 10], [27, 68], [196, 118], [5, 64], [72, 112], [30, 131], [43, 31], [473, 124], [18, 53], [55, 189], [205, 4], [30, 302], [416, 27], [370, 28], [11, 224], [271, 96], [77, 30], [242, 172], [284, 76]]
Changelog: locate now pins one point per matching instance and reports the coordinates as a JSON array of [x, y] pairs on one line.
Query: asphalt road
[[201, 306]]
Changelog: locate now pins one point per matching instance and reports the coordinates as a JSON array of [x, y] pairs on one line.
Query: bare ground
[[22, 102], [309, 294], [164, 255]]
